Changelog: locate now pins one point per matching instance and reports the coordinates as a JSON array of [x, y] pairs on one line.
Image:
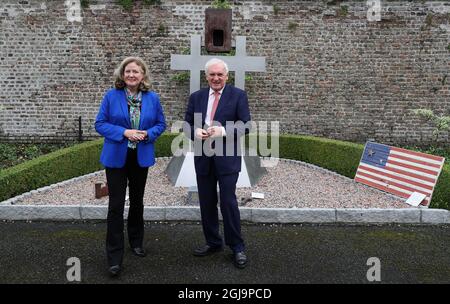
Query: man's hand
[[202, 134], [215, 131]]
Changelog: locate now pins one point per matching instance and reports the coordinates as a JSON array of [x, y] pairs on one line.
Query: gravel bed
[[289, 184]]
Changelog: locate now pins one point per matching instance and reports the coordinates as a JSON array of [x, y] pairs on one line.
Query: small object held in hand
[[214, 131], [101, 191]]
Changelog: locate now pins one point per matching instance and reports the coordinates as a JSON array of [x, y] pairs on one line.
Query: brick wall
[[330, 71]]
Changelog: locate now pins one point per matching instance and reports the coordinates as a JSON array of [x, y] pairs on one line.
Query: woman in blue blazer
[[130, 119]]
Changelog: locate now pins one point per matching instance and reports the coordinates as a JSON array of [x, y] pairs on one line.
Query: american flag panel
[[399, 171]]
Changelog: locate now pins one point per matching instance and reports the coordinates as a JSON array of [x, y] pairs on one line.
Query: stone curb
[[255, 215]]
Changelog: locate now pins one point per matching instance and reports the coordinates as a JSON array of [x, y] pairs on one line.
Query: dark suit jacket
[[233, 108]]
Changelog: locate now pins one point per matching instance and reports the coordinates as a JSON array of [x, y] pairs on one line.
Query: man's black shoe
[[240, 260], [206, 250], [139, 251], [114, 270]]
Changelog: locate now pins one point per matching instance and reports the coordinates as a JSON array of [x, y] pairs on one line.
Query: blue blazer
[[113, 119], [233, 107]]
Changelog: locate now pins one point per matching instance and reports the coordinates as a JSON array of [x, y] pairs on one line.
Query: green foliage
[[7, 155], [163, 144], [162, 30], [232, 52], [126, 4], [181, 77], [276, 9], [343, 11], [186, 51], [50, 168], [13, 154], [231, 78], [84, 3], [338, 156], [441, 123], [292, 26], [223, 4], [152, 2], [439, 151], [441, 194], [429, 19], [425, 113]]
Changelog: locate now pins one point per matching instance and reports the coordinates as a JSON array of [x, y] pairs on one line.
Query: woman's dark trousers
[[117, 179]]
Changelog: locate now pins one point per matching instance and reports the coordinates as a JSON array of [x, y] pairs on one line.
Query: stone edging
[[255, 215]]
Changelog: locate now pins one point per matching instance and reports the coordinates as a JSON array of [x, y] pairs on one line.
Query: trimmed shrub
[[50, 168], [338, 156], [441, 194], [163, 144]]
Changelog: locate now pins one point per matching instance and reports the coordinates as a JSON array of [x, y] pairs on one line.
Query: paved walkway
[[37, 252]]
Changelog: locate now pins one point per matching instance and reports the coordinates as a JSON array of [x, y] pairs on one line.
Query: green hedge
[[50, 168], [338, 156], [441, 194]]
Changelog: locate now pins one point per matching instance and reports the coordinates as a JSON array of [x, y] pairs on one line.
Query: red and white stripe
[[405, 172]]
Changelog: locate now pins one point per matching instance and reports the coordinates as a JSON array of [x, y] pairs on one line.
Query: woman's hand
[[135, 135]]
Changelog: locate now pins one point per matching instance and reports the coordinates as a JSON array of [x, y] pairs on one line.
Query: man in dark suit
[[218, 117]]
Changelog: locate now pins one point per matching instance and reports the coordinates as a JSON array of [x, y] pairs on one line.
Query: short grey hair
[[214, 61]]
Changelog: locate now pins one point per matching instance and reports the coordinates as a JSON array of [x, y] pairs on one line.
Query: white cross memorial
[[239, 64], [180, 168]]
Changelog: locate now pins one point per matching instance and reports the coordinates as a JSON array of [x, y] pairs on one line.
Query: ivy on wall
[[223, 4], [128, 4]]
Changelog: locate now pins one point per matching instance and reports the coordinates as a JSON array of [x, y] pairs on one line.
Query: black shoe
[[139, 251], [206, 250], [240, 260], [114, 270]]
